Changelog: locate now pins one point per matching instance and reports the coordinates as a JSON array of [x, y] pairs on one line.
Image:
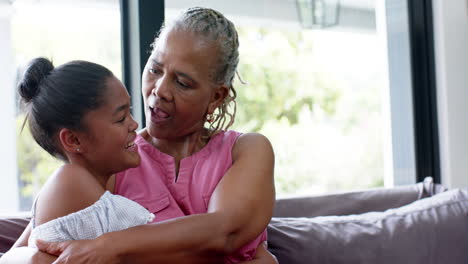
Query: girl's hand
[[79, 251]]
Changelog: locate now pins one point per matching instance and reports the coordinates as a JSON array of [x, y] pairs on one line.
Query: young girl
[[69, 108]]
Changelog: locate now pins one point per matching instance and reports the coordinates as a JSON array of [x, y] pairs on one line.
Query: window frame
[[140, 24], [424, 89]]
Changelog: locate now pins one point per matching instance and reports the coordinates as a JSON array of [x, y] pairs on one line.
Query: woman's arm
[[246, 195], [239, 210]]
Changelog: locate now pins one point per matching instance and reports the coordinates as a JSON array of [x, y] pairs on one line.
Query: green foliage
[[280, 82], [325, 127], [34, 164]]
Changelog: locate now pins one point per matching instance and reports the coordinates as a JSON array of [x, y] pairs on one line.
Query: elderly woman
[[211, 189]]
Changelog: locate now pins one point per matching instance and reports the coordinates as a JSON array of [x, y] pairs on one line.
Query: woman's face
[[178, 87], [109, 138]]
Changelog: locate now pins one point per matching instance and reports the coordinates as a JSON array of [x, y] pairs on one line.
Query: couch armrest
[[10, 231], [358, 202]]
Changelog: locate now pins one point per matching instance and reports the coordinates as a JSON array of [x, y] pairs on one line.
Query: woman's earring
[[210, 118], [78, 150]]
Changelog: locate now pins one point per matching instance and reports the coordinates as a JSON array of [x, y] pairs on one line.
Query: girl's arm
[[26, 255], [58, 197], [68, 190], [239, 210], [21, 254], [23, 239]]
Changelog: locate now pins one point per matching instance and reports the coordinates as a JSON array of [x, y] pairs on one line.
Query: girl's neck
[[101, 178]]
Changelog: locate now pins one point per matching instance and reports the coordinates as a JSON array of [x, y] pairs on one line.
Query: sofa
[[419, 223]]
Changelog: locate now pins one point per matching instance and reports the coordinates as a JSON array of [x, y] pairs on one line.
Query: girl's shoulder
[[74, 179], [69, 189]]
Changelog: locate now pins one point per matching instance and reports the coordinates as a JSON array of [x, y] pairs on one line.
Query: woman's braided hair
[[215, 27]]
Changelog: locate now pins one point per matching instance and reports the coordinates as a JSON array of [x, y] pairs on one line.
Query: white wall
[[9, 200], [451, 46]]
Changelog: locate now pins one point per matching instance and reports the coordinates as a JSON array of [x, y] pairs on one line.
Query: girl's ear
[[70, 141], [220, 93]]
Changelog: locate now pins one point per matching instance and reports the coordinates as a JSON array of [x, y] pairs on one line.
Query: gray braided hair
[[214, 26]]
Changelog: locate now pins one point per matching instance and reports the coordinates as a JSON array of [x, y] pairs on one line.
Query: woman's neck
[[180, 147]]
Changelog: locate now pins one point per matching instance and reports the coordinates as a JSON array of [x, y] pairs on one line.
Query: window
[[330, 87], [61, 31], [318, 88]]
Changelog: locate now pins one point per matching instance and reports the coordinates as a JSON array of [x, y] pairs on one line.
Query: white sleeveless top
[[110, 213]]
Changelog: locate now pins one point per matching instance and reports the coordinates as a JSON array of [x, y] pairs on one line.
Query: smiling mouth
[[132, 147]]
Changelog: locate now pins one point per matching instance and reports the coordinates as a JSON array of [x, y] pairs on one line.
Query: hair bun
[[36, 71]]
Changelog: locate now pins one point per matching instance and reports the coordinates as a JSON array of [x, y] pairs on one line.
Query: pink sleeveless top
[[153, 184]]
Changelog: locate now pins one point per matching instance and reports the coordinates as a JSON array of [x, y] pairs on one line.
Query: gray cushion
[[430, 230], [356, 202]]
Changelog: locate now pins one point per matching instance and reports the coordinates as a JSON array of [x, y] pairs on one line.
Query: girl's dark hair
[[59, 97]]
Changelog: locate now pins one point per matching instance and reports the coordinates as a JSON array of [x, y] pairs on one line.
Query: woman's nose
[[162, 89]]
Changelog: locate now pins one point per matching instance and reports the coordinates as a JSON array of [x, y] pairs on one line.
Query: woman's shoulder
[[251, 142], [245, 139], [69, 189]]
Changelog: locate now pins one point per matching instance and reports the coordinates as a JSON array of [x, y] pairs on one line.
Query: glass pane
[[314, 88], [62, 31]]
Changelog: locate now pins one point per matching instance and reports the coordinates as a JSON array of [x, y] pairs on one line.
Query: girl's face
[[108, 143], [178, 87]]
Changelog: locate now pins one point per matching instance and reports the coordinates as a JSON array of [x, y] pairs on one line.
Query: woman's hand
[[262, 256], [79, 251]]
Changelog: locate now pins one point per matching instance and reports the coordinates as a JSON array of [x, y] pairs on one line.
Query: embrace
[[184, 189]]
